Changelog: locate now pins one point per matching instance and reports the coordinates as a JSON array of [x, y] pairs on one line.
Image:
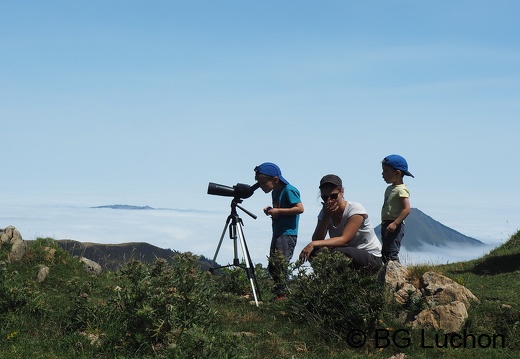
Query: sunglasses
[[332, 197]]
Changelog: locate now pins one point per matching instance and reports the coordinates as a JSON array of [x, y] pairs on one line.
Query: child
[[285, 212], [396, 206]]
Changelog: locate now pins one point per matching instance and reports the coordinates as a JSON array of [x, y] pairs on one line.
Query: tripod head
[[235, 203]]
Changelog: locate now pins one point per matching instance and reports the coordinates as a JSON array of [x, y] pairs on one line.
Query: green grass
[[163, 310]]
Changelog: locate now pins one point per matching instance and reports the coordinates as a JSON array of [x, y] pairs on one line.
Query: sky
[[146, 102]]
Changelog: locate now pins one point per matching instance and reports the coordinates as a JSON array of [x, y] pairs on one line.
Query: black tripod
[[235, 232]]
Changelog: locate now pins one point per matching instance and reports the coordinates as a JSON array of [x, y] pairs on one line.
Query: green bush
[[334, 297], [150, 306], [235, 281]]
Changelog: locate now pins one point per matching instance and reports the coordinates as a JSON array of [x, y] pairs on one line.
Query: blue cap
[[397, 162], [271, 170]]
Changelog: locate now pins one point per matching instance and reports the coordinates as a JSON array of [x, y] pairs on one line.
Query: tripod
[[235, 232]]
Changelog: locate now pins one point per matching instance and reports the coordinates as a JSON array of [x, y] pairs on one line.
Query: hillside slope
[[422, 230], [113, 256]]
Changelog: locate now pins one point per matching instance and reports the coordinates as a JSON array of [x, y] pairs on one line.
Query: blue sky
[[146, 102]]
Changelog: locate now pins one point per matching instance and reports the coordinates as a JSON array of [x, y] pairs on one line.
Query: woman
[[348, 227]]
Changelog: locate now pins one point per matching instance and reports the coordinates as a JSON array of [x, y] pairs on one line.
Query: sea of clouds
[[196, 231]]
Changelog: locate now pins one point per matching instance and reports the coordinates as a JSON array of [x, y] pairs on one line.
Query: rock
[[43, 272], [446, 301], [11, 235], [395, 275], [449, 318], [408, 293], [91, 266], [4, 238], [440, 290], [17, 250]]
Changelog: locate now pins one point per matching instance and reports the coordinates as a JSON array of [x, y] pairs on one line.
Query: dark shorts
[[391, 241], [284, 244], [282, 247], [361, 259]]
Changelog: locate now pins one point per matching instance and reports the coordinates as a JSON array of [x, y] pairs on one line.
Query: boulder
[[407, 293], [91, 266], [395, 275], [17, 250], [440, 290], [43, 272], [449, 318], [12, 236], [446, 301]]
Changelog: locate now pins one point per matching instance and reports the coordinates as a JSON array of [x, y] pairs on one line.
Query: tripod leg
[[247, 258], [253, 275], [214, 261]]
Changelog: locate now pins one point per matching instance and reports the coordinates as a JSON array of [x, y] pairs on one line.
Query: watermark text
[[402, 338]]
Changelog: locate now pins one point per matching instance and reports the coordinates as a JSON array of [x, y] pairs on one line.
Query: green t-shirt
[[392, 205]]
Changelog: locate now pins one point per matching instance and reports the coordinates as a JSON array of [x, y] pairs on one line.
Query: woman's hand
[[330, 207], [306, 252]]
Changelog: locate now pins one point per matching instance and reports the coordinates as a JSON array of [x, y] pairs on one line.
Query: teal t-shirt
[[287, 197]]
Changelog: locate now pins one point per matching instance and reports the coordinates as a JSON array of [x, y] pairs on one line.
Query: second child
[[396, 206]]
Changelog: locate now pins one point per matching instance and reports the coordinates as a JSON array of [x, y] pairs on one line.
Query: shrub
[[151, 306], [334, 297], [235, 281]]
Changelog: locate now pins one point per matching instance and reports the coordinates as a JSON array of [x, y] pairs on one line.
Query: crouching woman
[[348, 226]]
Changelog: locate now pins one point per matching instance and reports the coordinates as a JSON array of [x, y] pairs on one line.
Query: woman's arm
[[349, 231], [321, 229]]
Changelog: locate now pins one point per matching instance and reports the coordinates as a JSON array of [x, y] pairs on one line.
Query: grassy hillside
[[175, 310], [495, 280], [112, 256]]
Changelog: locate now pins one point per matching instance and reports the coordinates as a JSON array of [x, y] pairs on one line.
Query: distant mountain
[[422, 231], [132, 207], [123, 206], [113, 256]]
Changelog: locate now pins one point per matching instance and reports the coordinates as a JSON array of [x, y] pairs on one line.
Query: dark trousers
[[391, 241], [280, 254], [361, 259]]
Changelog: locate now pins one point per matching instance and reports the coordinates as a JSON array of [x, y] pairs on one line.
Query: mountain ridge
[[113, 256], [422, 231], [124, 206]]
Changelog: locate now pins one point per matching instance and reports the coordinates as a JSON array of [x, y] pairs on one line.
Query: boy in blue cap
[[285, 212], [396, 206]]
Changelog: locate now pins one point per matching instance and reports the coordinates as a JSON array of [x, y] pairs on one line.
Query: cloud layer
[[185, 231]]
